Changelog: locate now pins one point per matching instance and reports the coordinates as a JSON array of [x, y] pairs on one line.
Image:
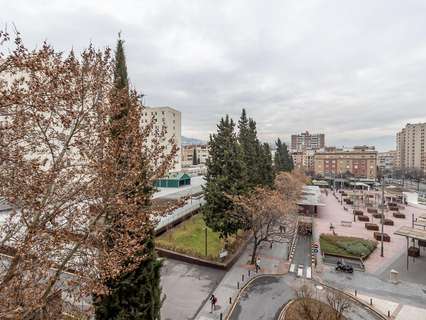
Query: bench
[[363, 218], [371, 210], [378, 236], [346, 223], [358, 212], [399, 215], [393, 208], [388, 222], [378, 215], [371, 226]]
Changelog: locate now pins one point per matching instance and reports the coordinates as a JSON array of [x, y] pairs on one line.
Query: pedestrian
[[213, 301], [257, 264]]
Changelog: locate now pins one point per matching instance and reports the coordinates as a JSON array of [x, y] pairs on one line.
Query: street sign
[[315, 250]]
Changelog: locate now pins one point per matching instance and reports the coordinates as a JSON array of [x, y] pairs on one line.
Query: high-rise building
[[307, 141], [411, 147], [170, 119], [360, 162], [386, 160]]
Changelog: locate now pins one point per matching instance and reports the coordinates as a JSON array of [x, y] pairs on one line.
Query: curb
[[281, 316], [245, 286], [355, 299]]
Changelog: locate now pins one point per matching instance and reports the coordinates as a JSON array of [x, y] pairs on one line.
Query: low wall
[[225, 265]]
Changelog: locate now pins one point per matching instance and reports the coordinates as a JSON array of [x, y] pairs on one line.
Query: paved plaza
[[333, 212]]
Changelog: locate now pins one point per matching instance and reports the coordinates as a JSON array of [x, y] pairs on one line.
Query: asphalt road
[[263, 299], [302, 255]]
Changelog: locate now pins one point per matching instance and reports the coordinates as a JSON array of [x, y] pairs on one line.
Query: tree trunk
[[253, 255]]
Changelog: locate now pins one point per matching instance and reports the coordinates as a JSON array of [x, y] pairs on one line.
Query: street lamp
[[383, 214]]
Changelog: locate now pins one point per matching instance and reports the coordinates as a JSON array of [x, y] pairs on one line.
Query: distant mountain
[[186, 141]]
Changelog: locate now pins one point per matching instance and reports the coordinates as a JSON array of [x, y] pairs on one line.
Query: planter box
[[378, 216], [372, 226], [363, 218], [422, 243], [358, 212], [393, 208], [414, 252], [388, 222], [371, 210], [378, 236], [399, 215]]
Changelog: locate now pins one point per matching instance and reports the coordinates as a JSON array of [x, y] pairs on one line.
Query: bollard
[[221, 316], [371, 301], [242, 278], [355, 292], [388, 313], [230, 300], [238, 285]]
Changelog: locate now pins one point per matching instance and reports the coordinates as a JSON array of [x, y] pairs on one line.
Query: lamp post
[[205, 240], [383, 215]]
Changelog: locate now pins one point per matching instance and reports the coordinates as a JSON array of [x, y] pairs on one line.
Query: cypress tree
[[194, 156], [250, 147], [283, 160], [266, 171], [137, 294], [226, 175]]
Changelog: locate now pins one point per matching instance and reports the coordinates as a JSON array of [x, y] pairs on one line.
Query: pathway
[[273, 261]]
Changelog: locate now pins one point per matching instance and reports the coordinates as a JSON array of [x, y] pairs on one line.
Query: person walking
[[257, 264], [213, 301]]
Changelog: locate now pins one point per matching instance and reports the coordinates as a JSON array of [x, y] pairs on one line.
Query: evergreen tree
[[266, 171], [137, 294], [194, 156], [250, 147], [226, 176], [283, 160]]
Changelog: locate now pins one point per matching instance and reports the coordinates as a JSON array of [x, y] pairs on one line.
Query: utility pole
[[383, 214]]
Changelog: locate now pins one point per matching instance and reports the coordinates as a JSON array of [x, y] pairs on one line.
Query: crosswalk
[[301, 271]]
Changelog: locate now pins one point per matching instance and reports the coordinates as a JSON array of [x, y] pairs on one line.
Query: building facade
[[360, 162], [304, 160], [411, 147], [307, 141], [386, 160], [201, 152], [170, 119]]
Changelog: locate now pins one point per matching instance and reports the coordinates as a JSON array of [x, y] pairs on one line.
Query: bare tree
[[61, 172], [308, 307], [270, 214], [339, 302]]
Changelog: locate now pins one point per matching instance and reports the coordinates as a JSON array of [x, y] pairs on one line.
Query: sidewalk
[[272, 261], [396, 310]]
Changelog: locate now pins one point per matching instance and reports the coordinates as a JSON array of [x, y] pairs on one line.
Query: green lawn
[[347, 246], [189, 238]]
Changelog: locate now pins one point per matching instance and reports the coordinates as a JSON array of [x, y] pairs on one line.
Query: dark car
[[341, 266]]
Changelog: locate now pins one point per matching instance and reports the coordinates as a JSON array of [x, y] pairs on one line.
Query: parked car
[[342, 266]]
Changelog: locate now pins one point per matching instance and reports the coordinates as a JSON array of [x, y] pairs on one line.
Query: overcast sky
[[354, 70]]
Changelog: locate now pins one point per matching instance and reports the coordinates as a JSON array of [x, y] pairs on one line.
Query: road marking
[[308, 273]]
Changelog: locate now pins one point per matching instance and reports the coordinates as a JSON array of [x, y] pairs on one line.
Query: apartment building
[[386, 160], [411, 147], [201, 152], [307, 141], [170, 119], [361, 162], [304, 160]]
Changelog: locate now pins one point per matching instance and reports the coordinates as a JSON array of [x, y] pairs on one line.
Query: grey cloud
[[354, 70]]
